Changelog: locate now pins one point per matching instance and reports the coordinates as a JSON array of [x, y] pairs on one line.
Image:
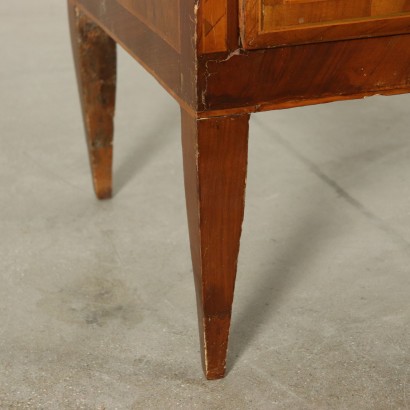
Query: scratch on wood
[[208, 74], [103, 7]]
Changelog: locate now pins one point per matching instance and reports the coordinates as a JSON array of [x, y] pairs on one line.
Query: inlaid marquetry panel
[[212, 26], [276, 14], [161, 16], [268, 23]]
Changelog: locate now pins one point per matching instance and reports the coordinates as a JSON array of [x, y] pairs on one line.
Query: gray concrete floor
[[97, 305]]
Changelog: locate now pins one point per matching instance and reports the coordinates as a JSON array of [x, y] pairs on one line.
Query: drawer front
[[161, 16], [270, 23]]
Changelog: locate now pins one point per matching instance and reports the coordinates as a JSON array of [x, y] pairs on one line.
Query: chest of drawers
[[223, 60]]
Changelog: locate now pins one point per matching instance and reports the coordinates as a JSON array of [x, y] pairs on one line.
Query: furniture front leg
[[95, 61], [215, 152]]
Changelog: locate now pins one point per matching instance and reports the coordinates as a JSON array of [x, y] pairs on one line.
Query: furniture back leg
[[215, 152], [95, 61]]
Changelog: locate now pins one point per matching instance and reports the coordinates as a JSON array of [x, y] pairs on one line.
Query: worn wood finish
[[272, 23], [301, 75], [146, 46], [215, 162], [161, 16], [175, 71], [95, 60], [188, 58]]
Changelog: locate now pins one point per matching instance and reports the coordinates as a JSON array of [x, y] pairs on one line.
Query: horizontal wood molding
[[249, 81]]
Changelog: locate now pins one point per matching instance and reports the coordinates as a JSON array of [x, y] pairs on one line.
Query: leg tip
[[101, 168], [103, 194], [102, 186], [215, 374], [215, 344]]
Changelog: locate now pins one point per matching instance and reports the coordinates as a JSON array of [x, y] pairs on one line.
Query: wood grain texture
[[95, 61], [273, 23], [215, 163], [146, 46], [217, 26], [175, 71], [192, 79], [305, 74], [161, 16], [213, 27]]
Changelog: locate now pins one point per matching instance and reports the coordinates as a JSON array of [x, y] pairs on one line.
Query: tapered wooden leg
[[215, 155], [95, 61]]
